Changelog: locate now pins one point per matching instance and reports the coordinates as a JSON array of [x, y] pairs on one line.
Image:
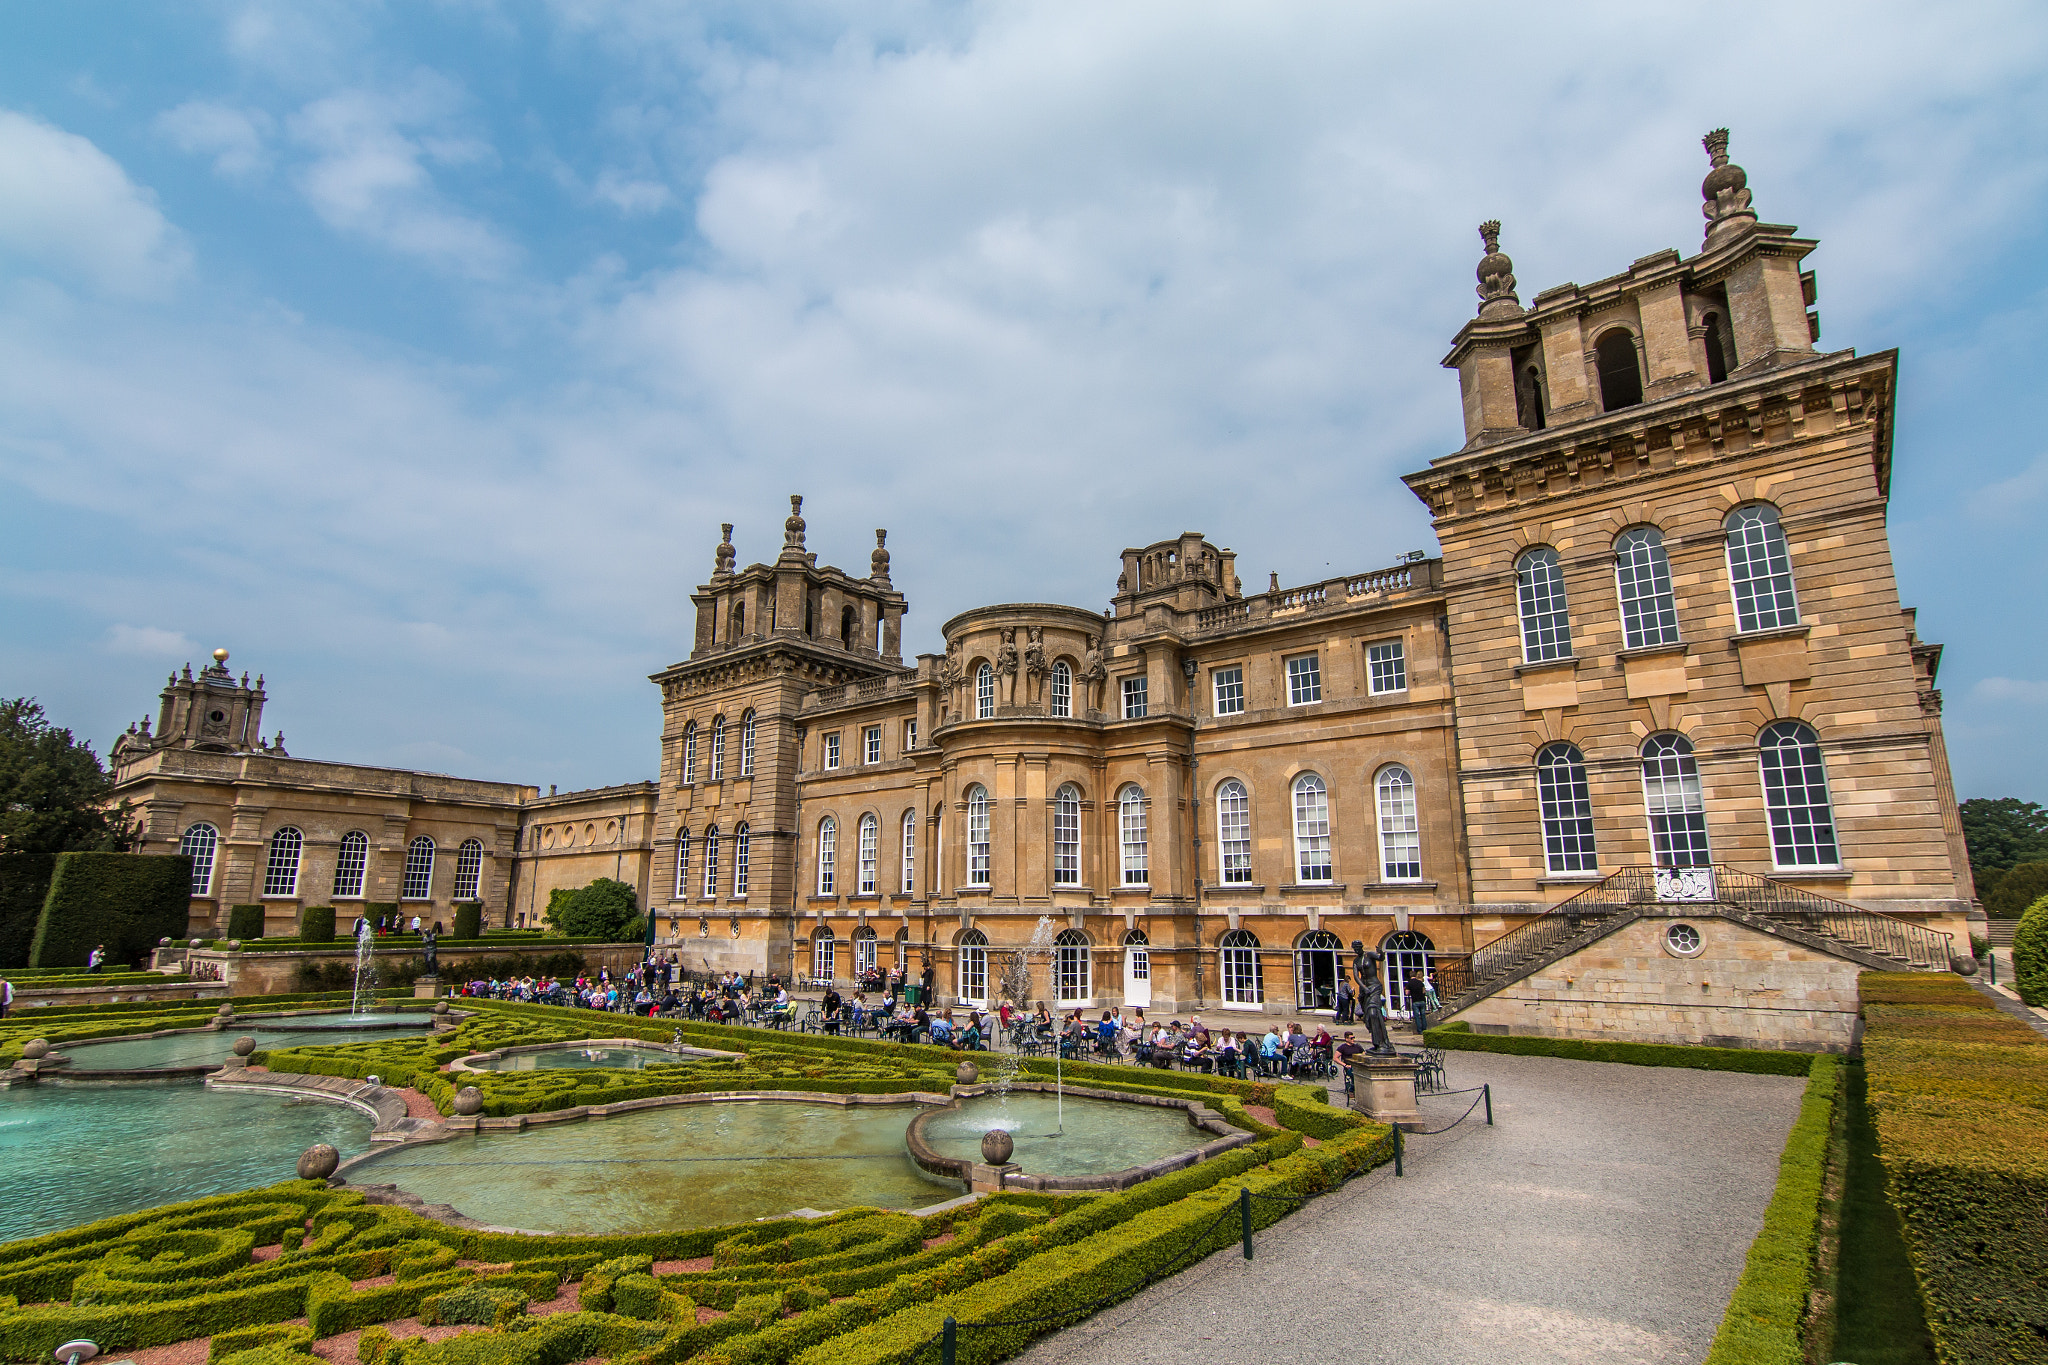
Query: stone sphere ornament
[[225, 1012], [469, 1101], [35, 1049], [440, 1007], [318, 1162], [244, 1045], [996, 1146], [966, 1073]]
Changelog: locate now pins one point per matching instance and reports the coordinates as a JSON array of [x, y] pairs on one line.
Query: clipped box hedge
[[1958, 1093], [125, 900], [1459, 1036]]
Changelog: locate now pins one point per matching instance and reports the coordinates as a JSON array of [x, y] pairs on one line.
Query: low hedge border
[[1765, 1318], [1459, 1037]]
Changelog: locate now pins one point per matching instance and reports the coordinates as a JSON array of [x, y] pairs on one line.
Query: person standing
[[1343, 999], [1418, 1001], [96, 959], [6, 997]]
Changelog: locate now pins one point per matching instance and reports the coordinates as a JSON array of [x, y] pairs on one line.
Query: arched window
[[741, 858], [1130, 820], [1567, 809], [682, 864], [1316, 954], [847, 619], [1311, 829], [419, 870], [1539, 590], [977, 836], [739, 622], [909, 851], [709, 886], [690, 753], [1718, 350], [1400, 825], [747, 745], [973, 962], [870, 838], [1243, 983], [469, 869], [1621, 379], [984, 692], [718, 749], [1070, 966], [1642, 574], [1234, 831], [828, 848], [1671, 792], [1062, 688], [1403, 954], [200, 843], [824, 953], [863, 951], [351, 862], [1796, 796], [1760, 569], [1066, 836], [1529, 398], [281, 868]]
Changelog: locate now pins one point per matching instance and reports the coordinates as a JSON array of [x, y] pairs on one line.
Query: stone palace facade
[[1664, 633]]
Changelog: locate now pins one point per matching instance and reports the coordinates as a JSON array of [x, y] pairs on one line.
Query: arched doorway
[[824, 953], [1401, 953], [973, 961], [864, 956], [1315, 970], [1137, 970]]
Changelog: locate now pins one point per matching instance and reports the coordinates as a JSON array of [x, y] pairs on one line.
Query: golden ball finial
[[220, 656]]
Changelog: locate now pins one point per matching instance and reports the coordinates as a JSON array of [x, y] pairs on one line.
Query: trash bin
[[911, 993]]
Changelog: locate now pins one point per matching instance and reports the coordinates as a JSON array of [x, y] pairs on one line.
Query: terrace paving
[[1604, 1218]]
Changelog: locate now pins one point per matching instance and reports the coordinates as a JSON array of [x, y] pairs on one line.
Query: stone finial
[[277, 746], [244, 1045], [1726, 192], [469, 1102], [997, 1146], [723, 562], [1497, 298], [878, 562], [35, 1049], [318, 1162], [793, 528]]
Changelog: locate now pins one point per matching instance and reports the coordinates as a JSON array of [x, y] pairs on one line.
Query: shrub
[[1458, 1036], [316, 924], [469, 920], [245, 921], [24, 881], [477, 1303], [2017, 889], [1958, 1093], [125, 900], [294, 1337], [600, 910], [2030, 954]]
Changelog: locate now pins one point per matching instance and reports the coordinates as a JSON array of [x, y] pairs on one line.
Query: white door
[[1138, 977]]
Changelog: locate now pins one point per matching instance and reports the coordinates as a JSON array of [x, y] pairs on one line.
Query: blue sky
[[415, 352]]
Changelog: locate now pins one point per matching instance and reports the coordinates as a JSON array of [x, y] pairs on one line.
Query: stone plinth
[[985, 1179], [1383, 1089], [426, 987]]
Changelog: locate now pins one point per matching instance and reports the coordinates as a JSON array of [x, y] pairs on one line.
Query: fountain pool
[[701, 1164], [70, 1154], [205, 1047], [572, 1058]]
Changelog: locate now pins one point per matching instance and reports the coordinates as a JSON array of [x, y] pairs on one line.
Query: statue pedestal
[[426, 987], [986, 1179], [1383, 1089]]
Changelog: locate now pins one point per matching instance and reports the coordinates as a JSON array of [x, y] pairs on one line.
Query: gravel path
[[1604, 1218]]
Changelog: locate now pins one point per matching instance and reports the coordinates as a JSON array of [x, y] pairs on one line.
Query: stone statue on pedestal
[[1372, 999], [429, 939]]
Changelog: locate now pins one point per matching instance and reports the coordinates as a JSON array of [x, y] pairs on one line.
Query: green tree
[[2030, 954], [2003, 833], [2017, 889], [53, 799], [602, 910]]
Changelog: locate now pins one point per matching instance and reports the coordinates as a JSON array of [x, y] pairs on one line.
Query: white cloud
[[2012, 691], [2013, 499], [68, 207], [150, 642], [236, 139]]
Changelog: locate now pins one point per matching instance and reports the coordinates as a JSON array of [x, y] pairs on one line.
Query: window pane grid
[[710, 885], [1066, 838], [1062, 689], [828, 841], [690, 753], [977, 837], [747, 745], [1642, 574], [1796, 796], [1243, 983], [984, 692], [1234, 831], [1671, 792], [1387, 667], [1311, 829], [419, 870], [199, 844], [1134, 698], [741, 858], [1539, 590], [871, 741], [683, 865], [1132, 837], [351, 863], [1760, 570], [281, 870], [909, 851], [1070, 970], [870, 837], [718, 749], [1400, 827], [831, 752], [1229, 691], [469, 869], [974, 973], [1567, 808], [1304, 680]]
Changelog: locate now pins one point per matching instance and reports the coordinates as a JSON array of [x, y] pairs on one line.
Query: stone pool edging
[[679, 1050], [961, 1169], [385, 1106], [57, 1066]]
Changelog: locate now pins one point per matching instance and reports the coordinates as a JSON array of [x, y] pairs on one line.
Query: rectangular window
[[1071, 972], [1137, 848], [871, 744], [1243, 983], [1304, 680], [870, 831], [710, 863], [1386, 667], [740, 858], [909, 735], [909, 851], [1229, 691], [831, 752], [1134, 698], [1234, 831]]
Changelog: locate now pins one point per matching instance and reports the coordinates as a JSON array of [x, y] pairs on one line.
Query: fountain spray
[[1042, 944], [364, 938]]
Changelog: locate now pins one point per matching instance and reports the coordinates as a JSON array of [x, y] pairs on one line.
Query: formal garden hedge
[[127, 901], [24, 883], [2030, 954], [1757, 1061], [245, 922], [469, 921], [1959, 1095], [265, 1273], [316, 924]]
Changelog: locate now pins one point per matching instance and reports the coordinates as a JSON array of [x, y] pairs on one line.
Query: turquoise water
[[70, 1153], [585, 1059], [696, 1165], [209, 1048]]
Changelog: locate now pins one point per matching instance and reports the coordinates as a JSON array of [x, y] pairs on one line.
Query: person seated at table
[[941, 1030], [1041, 1022], [1105, 1035], [1229, 1055], [1193, 1054], [1269, 1050]]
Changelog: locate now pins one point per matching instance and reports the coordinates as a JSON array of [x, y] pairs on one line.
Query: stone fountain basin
[[626, 1053], [170, 1053], [971, 1172]]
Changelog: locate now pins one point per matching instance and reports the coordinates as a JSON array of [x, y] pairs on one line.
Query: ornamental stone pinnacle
[[1496, 277], [793, 529], [722, 566], [1726, 192], [878, 562]]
